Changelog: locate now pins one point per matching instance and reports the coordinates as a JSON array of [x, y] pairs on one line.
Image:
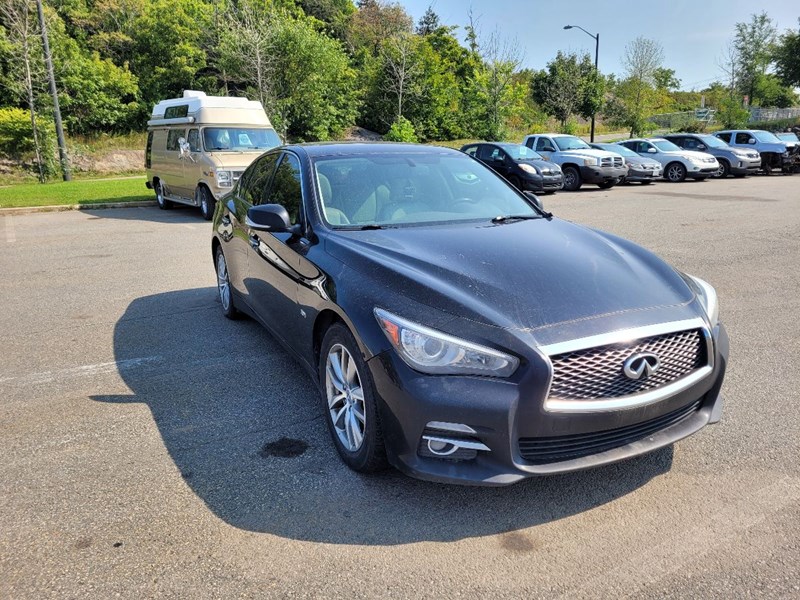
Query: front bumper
[[502, 413], [702, 172], [643, 175], [602, 174], [745, 166], [543, 183]]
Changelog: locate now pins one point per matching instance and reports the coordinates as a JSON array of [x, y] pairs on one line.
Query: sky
[[693, 33]]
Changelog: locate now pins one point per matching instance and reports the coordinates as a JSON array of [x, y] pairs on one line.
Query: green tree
[[787, 57], [636, 95], [754, 44], [428, 23], [569, 85]]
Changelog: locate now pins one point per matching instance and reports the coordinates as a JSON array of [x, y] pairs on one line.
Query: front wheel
[[604, 185], [572, 179], [206, 201], [349, 397], [724, 169], [675, 172]]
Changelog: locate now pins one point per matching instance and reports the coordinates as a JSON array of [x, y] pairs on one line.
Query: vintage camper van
[[198, 146]]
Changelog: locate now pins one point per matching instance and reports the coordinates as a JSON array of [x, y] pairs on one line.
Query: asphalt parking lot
[[140, 433]]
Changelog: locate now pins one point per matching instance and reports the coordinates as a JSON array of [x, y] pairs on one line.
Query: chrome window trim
[[616, 337]]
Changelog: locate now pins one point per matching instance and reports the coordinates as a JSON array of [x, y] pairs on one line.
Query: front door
[[273, 262], [172, 171]]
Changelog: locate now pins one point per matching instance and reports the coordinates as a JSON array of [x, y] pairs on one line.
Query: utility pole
[[596, 39], [62, 146]]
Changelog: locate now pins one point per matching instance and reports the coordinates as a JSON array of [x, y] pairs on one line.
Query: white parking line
[[11, 235]]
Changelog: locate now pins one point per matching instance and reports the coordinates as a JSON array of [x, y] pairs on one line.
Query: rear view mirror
[[268, 217], [535, 199]]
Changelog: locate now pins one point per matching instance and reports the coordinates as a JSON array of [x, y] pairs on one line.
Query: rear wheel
[[224, 286], [724, 168], [572, 179], [675, 172], [206, 201], [161, 197], [350, 406]]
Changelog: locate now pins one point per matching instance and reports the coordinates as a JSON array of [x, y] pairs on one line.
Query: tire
[[646, 182], [352, 418], [161, 199], [206, 201], [724, 169], [224, 286], [675, 172], [572, 179], [514, 180], [606, 185]]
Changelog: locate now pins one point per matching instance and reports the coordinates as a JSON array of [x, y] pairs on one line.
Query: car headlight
[[528, 168], [223, 178], [708, 298], [437, 353], [590, 162]]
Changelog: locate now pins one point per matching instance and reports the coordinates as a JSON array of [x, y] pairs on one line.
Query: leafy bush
[[16, 135], [402, 130], [779, 125]]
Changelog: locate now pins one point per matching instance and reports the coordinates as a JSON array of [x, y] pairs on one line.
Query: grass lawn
[[87, 191]]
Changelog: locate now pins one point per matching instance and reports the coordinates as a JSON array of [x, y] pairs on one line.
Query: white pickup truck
[[580, 162]]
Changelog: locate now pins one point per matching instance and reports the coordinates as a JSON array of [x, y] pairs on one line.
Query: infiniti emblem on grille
[[640, 365]]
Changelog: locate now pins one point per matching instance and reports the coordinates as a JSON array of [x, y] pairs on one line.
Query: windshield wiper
[[371, 227], [507, 218]]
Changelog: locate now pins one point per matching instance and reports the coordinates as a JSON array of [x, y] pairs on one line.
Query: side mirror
[[701, 147], [535, 199], [268, 217], [651, 150], [752, 141]]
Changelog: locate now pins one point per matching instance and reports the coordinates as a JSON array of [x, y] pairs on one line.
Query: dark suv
[[525, 169], [732, 161]]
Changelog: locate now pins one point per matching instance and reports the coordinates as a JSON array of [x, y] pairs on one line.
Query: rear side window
[[173, 137], [148, 152], [286, 189], [725, 137], [254, 182]]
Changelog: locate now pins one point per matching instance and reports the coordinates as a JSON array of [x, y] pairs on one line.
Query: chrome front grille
[[609, 161], [597, 373]]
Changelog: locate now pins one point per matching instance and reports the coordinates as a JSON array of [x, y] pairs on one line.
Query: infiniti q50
[[457, 330]]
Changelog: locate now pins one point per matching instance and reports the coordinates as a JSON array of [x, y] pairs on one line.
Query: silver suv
[[678, 163], [732, 161]]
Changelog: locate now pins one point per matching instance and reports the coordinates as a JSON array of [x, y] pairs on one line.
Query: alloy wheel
[[345, 396], [223, 283]]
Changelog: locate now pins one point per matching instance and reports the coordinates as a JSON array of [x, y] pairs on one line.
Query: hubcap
[[675, 173], [345, 398], [222, 282], [569, 178]]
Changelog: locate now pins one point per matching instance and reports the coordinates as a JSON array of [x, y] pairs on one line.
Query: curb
[[22, 210]]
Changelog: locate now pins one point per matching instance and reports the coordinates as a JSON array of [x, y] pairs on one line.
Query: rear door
[[172, 166]]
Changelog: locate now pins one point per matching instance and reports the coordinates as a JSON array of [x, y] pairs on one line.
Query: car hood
[[519, 275], [588, 153], [641, 160], [780, 148], [541, 163]]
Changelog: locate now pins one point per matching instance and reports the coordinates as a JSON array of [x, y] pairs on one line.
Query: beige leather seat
[[333, 215]]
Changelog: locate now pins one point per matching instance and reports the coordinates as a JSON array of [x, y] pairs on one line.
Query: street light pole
[[596, 39]]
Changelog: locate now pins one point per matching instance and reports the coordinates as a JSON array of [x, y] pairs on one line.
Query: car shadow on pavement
[[244, 426], [180, 213]]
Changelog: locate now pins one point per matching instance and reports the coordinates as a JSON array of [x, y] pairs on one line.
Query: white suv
[[678, 163]]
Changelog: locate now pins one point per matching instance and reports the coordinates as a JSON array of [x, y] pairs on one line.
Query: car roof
[[313, 149]]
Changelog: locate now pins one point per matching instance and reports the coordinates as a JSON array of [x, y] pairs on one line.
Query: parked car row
[[675, 157]]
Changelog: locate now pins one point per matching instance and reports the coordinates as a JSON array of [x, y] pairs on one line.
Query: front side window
[[253, 186], [239, 139], [194, 140], [490, 153], [743, 138], [172, 138], [544, 145], [286, 188]]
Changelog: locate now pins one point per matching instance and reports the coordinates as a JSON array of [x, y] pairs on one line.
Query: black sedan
[[456, 330], [525, 169]]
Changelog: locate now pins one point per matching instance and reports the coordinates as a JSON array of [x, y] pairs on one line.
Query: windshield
[[788, 137], [570, 142], [617, 149], [712, 142], [519, 152], [765, 136], [412, 188], [239, 139], [666, 146]]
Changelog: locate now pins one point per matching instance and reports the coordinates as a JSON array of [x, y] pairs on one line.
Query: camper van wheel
[[163, 203], [206, 201]]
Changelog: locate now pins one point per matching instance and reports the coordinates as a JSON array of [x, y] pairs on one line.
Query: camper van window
[[172, 138], [194, 140], [176, 112], [239, 139]]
